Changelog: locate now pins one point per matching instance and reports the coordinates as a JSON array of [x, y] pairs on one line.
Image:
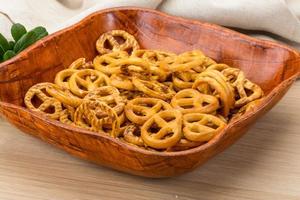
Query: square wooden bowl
[[272, 66]]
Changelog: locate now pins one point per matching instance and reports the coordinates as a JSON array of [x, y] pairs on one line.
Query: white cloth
[[279, 17]]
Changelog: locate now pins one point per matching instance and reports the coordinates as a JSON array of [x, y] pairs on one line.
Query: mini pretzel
[[107, 94], [131, 94], [184, 79], [110, 38], [107, 63], [87, 115], [200, 127], [63, 95], [218, 67], [214, 80], [111, 96], [243, 86], [62, 78], [47, 102], [67, 115], [139, 110], [132, 134], [81, 63], [121, 81], [153, 88], [192, 101], [153, 56], [163, 129], [87, 80], [185, 61]]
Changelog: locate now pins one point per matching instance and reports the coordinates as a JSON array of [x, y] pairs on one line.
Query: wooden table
[[264, 164]]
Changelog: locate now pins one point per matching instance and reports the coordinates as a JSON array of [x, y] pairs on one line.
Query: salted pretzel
[[121, 81], [162, 130], [212, 81], [108, 42], [132, 135], [153, 88], [192, 101], [81, 63], [86, 80], [201, 127], [93, 115], [131, 94], [67, 115], [107, 63], [111, 96], [184, 79], [247, 91], [184, 61], [140, 110], [153, 56], [219, 67], [62, 78], [45, 103], [63, 95]]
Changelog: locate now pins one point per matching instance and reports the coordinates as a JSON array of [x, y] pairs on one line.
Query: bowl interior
[[264, 63]]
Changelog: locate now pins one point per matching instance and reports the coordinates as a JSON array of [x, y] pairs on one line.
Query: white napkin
[[279, 17]]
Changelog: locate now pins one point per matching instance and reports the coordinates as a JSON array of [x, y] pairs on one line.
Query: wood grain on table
[[264, 164]]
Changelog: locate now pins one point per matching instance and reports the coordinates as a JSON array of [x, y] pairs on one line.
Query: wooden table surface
[[264, 164]]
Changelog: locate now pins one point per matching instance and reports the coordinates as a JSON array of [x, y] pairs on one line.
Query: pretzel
[[121, 81], [153, 56], [168, 123], [63, 95], [94, 114], [192, 101], [87, 80], [140, 110], [132, 135], [62, 78], [131, 94], [111, 96], [200, 127], [246, 108], [184, 79], [107, 63], [184, 61], [210, 80], [107, 94], [67, 115], [219, 67], [81, 63], [47, 105], [153, 88], [247, 91], [110, 38]]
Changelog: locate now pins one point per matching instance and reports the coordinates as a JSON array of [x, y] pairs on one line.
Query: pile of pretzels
[[155, 100]]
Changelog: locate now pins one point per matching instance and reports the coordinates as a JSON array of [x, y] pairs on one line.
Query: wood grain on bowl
[[272, 66]]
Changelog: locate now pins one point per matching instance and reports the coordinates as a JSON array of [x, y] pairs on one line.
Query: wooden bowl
[[272, 66]]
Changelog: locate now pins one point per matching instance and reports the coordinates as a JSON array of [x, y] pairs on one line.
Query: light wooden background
[[263, 165]]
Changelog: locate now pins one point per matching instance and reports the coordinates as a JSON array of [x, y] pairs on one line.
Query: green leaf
[[11, 45], [25, 41], [8, 55], [40, 31], [1, 52], [4, 43], [17, 31]]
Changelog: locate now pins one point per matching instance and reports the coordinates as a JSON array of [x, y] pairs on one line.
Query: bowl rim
[[266, 100]]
